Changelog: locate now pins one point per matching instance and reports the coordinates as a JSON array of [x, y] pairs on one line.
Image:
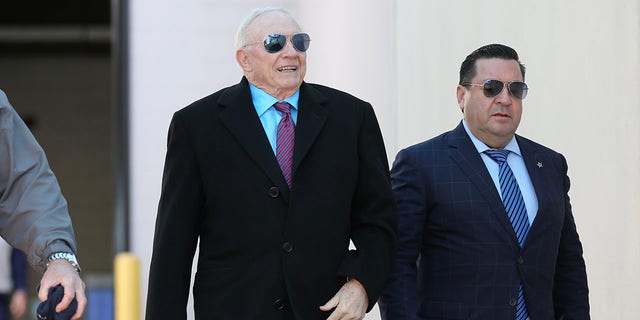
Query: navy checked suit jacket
[[458, 256]]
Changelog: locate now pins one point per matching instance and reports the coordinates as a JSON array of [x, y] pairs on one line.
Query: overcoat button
[[274, 192], [278, 304], [287, 247]]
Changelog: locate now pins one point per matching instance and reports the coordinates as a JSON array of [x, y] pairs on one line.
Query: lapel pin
[[539, 164]]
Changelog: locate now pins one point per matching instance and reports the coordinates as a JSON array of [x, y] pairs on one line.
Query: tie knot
[[283, 107], [499, 156]]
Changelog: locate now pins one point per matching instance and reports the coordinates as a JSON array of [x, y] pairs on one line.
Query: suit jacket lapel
[[311, 118], [241, 119], [465, 154], [534, 161]]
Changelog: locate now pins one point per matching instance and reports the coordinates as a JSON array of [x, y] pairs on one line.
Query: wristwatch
[[64, 256]]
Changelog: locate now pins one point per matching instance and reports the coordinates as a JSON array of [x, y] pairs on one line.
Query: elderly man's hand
[[61, 272], [350, 303]]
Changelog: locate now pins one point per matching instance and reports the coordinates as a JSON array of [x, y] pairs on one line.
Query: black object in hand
[[47, 309]]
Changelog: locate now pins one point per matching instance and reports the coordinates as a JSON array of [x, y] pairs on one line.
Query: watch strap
[[70, 257]]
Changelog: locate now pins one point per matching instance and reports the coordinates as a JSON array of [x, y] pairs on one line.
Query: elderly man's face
[[281, 73]]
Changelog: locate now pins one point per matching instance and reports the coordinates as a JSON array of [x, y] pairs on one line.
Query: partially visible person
[[13, 282], [486, 226], [272, 177], [33, 213]]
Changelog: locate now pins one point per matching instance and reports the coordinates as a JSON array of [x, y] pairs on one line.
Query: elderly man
[[274, 177], [486, 227]]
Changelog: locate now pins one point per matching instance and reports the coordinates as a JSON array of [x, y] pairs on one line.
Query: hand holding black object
[[47, 309]]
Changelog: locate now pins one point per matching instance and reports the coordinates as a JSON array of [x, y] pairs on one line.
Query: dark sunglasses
[[276, 42], [492, 88]]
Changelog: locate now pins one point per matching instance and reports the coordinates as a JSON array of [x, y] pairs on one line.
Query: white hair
[[241, 34]]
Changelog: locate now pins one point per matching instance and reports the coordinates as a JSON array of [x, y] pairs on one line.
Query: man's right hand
[[61, 272]]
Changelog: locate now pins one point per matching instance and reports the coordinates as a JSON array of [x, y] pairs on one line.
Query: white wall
[[352, 49], [403, 56]]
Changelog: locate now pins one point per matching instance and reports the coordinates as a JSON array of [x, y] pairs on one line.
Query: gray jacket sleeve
[[33, 213]]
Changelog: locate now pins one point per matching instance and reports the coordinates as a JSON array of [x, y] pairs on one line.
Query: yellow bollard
[[126, 287]]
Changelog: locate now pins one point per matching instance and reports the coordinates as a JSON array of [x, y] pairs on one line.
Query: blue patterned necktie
[[284, 141], [516, 210]]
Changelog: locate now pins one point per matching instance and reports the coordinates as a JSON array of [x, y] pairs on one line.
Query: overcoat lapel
[[241, 119], [466, 156], [311, 118]]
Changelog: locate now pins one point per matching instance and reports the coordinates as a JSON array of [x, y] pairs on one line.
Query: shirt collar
[[482, 147], [262, 101]]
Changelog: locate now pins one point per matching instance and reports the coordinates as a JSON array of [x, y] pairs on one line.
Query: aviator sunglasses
[[492, 88], [276, 42]]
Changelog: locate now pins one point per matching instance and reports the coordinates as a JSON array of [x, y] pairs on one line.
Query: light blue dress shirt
[[269, 116], [516, 163]]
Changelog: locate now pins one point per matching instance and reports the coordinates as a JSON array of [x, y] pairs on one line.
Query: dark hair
[[468, 67]]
